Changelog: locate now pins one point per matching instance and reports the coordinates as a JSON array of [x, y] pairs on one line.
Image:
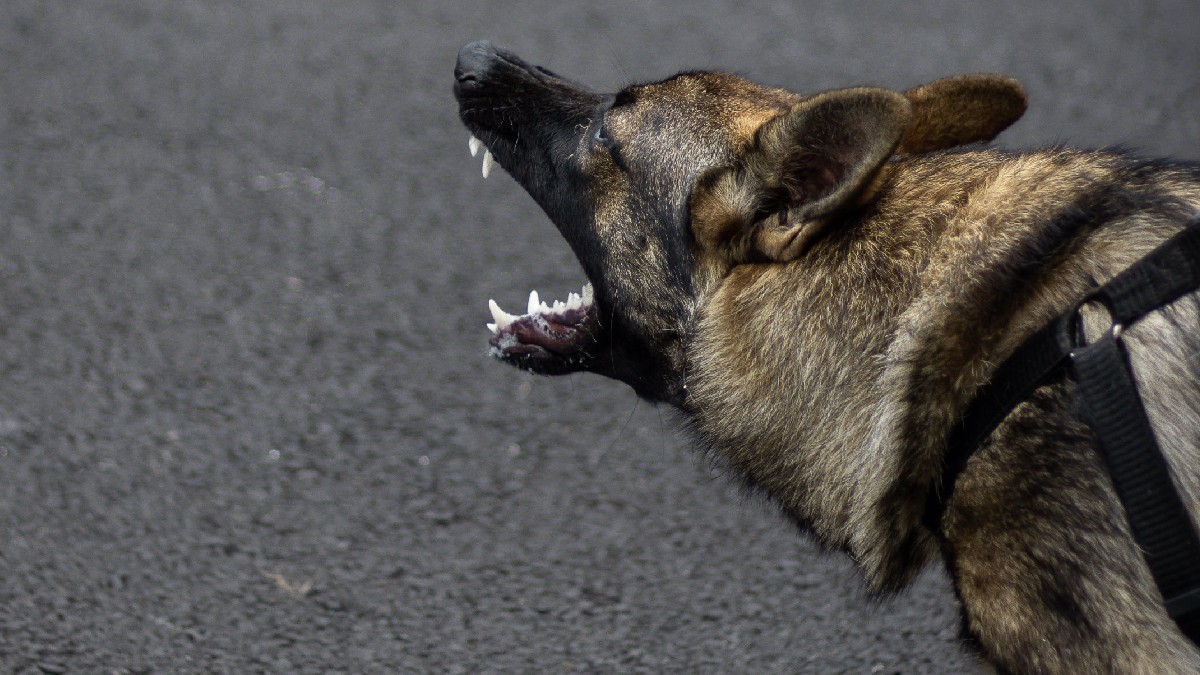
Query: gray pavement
[[247, 423]]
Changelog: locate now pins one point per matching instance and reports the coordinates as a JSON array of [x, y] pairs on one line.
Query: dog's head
[[661, 188]]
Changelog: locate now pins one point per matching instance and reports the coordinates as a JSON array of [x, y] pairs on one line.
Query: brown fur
[[822, 283]]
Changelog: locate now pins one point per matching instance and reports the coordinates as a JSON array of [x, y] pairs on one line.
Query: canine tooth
[[488, 161], [474, 144], [492, 327], [533, 303], [503, 319]]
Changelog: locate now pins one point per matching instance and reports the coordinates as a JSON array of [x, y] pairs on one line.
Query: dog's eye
[[601, 136]]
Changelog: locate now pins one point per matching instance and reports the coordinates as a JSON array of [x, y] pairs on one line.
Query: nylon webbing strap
[[1160, 278], [1159, 521], [1034, 363]]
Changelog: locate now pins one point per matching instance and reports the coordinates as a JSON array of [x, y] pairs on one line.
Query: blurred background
[[247, 421]]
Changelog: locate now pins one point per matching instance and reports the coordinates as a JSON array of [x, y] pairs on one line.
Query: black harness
[[1111, 406]]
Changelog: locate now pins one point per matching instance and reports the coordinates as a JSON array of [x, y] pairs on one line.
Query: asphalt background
[[247, 423]]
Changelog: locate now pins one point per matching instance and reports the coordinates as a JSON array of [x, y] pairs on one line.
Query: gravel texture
[[247, 423]]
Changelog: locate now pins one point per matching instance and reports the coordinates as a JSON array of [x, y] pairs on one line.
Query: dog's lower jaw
[[585, 334], [549, 340]]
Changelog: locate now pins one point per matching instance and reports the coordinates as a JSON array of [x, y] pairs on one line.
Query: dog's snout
[[474, 62]]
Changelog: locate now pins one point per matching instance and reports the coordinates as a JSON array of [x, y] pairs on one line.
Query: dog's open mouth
[[555, 338], [545, 338]]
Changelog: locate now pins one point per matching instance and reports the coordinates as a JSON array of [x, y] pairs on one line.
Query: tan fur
[[959, 110], [924, 336], [822, 283]]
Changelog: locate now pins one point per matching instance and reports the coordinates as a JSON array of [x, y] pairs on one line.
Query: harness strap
[[1159, 522], [1111, 406]]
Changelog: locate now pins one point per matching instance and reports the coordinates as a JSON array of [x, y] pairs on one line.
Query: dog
[[821, 283]]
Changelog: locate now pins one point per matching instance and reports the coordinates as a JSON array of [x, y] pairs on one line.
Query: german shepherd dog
[[821, 283]]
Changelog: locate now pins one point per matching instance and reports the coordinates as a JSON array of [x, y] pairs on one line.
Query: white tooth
[[488, 161], [533, 303], [573, 300], [474, 144], [587, 293], [544, 308], [492, 327], [503, 319]]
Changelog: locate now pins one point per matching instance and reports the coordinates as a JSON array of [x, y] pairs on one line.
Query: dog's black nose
[[474, 62]]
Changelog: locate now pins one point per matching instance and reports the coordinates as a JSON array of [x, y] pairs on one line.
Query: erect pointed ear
[[960, 110], [801, 167]]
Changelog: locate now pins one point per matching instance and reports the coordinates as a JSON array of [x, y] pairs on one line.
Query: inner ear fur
[[961, 110], [801, 167]]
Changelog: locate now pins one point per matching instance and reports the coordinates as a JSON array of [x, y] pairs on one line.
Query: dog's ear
[[960, 110], [801, 167]]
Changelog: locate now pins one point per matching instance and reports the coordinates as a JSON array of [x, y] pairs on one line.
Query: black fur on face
[[614, 173]]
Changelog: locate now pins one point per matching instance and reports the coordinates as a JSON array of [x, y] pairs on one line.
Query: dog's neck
[[829, 380]]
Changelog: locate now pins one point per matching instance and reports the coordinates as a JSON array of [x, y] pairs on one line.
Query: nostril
[[474, 61]]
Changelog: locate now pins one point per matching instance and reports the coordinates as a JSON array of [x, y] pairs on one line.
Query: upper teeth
[[475, 144], [535, 306]]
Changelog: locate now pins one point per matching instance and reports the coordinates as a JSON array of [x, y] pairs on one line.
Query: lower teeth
[[536, 307]]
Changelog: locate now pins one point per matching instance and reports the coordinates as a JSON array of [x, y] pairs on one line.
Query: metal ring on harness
[[1072, 333]]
